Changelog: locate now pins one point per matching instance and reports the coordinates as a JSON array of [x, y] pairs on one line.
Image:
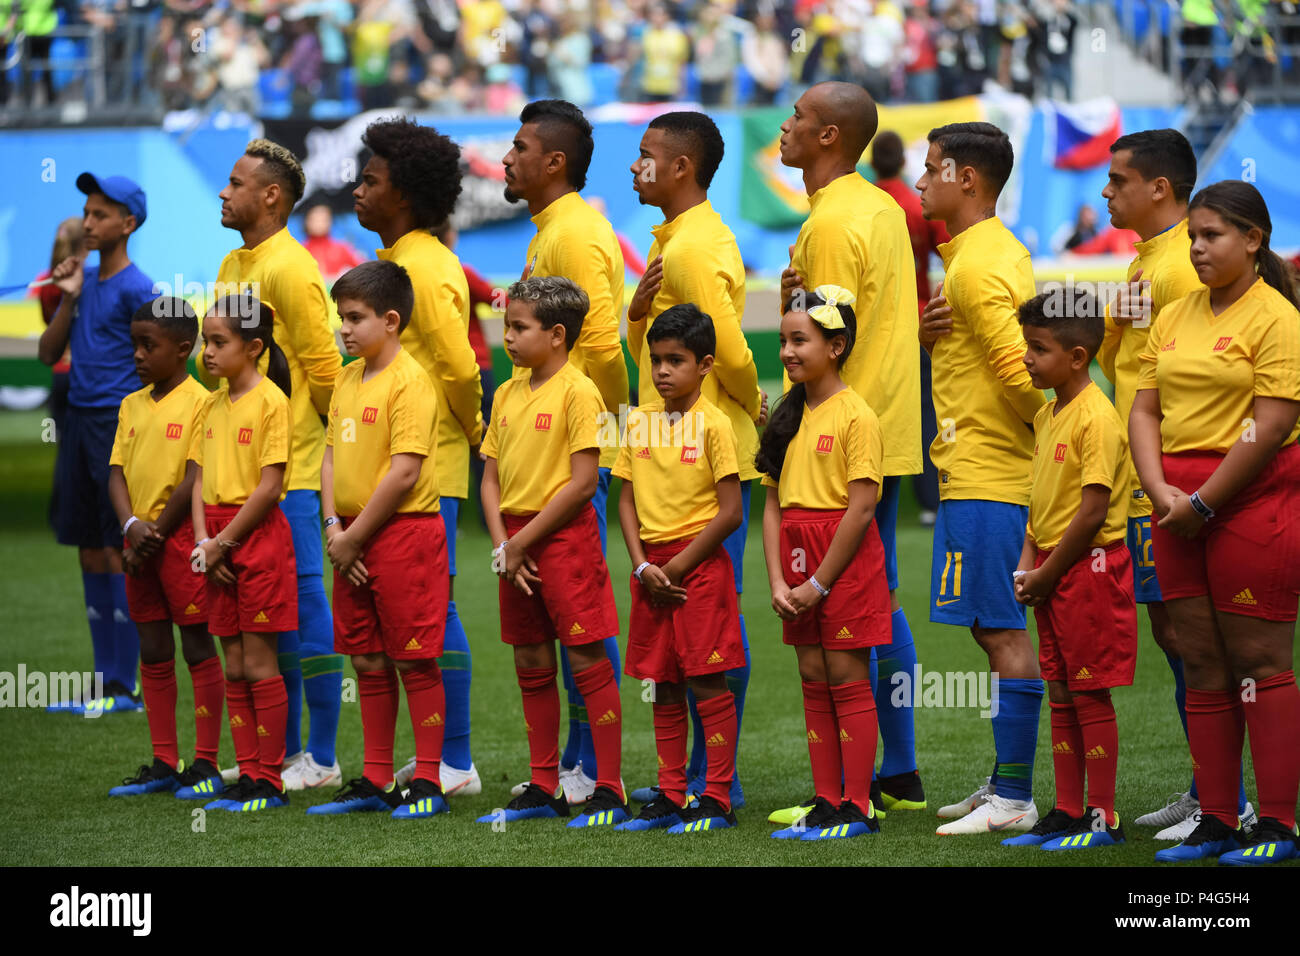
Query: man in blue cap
[[95, 314]]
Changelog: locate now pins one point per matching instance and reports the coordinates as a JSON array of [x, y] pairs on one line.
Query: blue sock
[[586, 749], [287, 649], [738, 684], [98, 591], [897, 729], [1015, 735], [126, 639], [577, 713], [456, 670], [322, 669]]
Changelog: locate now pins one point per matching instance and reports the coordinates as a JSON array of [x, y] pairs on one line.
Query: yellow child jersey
[[856, 237], [533, 433], [285, 276], [437, 337], [837, 442], [395, 412], [1166, 261], [153, 443], [675, 465], [702, 265], [1208, 369], [576, 242], [236, 440], [984, 402], [1084, 444]]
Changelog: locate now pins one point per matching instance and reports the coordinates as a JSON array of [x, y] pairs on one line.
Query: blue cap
[[119, 189]]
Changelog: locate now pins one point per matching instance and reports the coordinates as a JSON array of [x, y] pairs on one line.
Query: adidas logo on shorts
[[261, 618], [191, 609], [1244, 597], [412, 645], [577, 629], [714, 658], [1083, 674], [844, 634]]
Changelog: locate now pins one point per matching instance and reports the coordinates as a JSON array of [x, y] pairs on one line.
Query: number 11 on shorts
[[952, 562]]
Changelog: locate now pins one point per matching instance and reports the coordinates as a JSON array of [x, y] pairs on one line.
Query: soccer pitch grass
[[59, 767]]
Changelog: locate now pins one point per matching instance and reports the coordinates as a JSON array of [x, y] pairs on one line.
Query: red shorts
[[166, 587], [575, 601], [264, 597], [670, 643], [1247, 557], [1087, 628], [857, 613], [401, 610]]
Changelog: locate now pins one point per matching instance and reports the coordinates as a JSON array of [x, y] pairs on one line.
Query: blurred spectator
[[501, 94], [334, 256], [238, 56], [570, 61], [766, 54], [715, 53], [36, 19], [1055, 29], [960, 53], [304, 62], [920, 62], [333, 18], [484, 30], [373, 36], [881, 40], [535, 45], [664, 53], [1072, 235]]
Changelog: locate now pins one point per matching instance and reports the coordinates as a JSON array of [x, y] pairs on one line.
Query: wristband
[[1200, 507], [817, 586], [227, 544], [639, 568], [331, 521], [129, 521]]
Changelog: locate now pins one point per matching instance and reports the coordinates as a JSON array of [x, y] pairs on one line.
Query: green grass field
[[59, 767]]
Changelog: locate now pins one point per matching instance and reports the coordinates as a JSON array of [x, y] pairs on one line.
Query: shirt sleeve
[[1147, 360], [701, 280], [490, 437], [864, 448], [118, 455], [302, 299], [1277, 359], [196, 436], [1109, 350], [722, 451], [623, 464], [582, 411], [275, 433], [410, 419], [987, 303], [636, 330], [1099, 443], [584, 259], [445, 329]]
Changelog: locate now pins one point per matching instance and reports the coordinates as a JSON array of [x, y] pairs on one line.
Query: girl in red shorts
[[244, 545], [822, 452], [1213, 433]]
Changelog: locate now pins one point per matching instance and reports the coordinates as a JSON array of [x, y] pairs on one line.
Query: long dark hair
[[788, 414], [1241, 205], [250, 318]]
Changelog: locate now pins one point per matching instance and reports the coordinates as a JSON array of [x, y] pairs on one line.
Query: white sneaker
[[465, 783], [995, 815], [230, 775], [1181, 830], [307, 774], [406, 774], [1248, 818], [1179, 808], [291, 761], [962, 807], [578, 787]]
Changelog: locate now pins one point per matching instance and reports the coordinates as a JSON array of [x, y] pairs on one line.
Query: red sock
[[377, 691], [542, 722], [243, 725], [271, 701], [855, 713], [605, 712], [158, 686], [671, 724], [823, 741], [1096, 714], [1067, 758], [209, 687], [427, 701], [1216, 729], [718, 718], [1274, 721]]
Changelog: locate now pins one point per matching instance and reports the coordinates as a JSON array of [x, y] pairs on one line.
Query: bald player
[[265, 184], [856, 237], [546, 167], [694, 259]]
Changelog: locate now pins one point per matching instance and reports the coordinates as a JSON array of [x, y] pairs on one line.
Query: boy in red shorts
[[150, 483], [680, 500], [541, 452], [386, 540], [1075, 569]]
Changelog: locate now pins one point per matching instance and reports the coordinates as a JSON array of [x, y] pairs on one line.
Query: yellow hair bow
[[828, 315]]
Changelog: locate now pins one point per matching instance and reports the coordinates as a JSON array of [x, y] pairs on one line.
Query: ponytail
[[250, 319], [780, 431], [1241, 205]]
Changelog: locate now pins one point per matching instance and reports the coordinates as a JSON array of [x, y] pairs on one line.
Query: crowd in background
[[493, 55]]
